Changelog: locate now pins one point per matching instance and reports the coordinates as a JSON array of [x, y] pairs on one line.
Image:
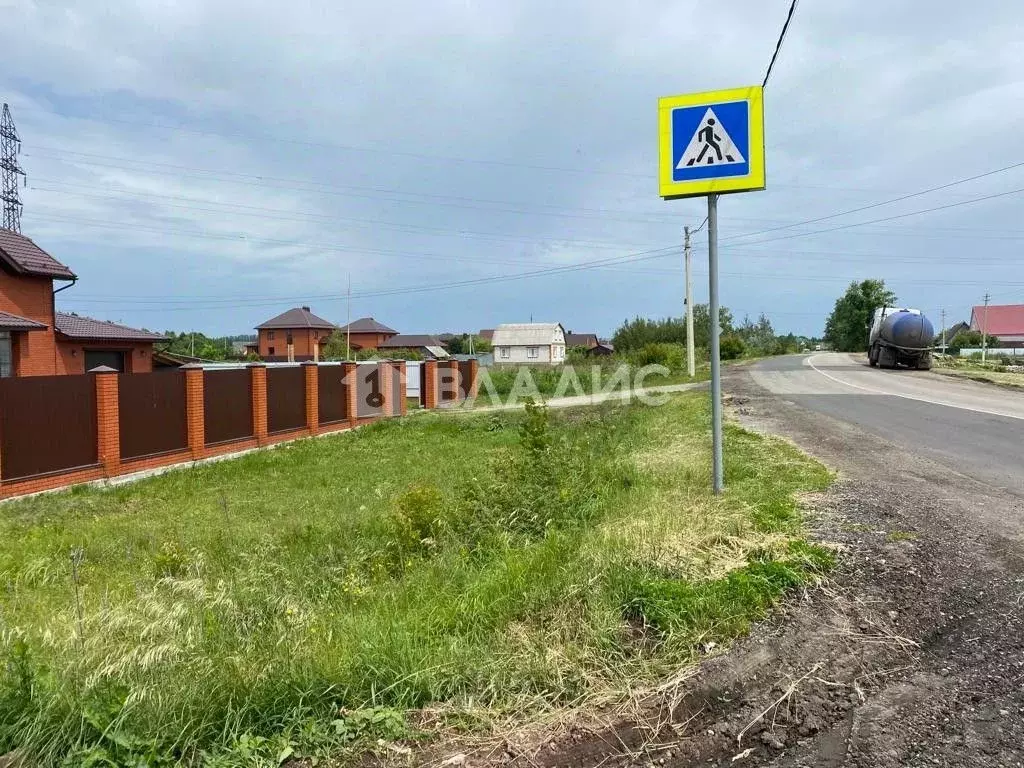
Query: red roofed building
[[36, 340], [1004, 321]]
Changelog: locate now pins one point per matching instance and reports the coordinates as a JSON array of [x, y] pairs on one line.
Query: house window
[[270, 350], [6, 358], [506, 352], [316, 334], [270, 337], [532, 352]]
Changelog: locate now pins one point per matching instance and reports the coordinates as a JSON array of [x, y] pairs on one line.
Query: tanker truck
[[900, 336]]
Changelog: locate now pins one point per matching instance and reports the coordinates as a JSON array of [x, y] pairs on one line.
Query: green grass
[[987, 374], [298, 601], [591, 377]]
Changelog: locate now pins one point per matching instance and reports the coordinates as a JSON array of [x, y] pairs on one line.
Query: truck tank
[[909, 331], [900, 336]]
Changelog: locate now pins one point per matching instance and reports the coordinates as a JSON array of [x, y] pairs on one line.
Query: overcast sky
[[210, 164]]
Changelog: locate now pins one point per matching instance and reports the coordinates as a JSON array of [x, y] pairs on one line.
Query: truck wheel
[[873, 356], [886, 357], [924, 363]]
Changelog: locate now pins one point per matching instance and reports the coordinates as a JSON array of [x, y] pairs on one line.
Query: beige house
[[529, 344]]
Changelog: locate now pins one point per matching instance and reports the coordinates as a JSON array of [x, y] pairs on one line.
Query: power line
[[342, 190], [344, 147], [889, 218], [778, 44], [574, 267], [886, 202], [361, 222]]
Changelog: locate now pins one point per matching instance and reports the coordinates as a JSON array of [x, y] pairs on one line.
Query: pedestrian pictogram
[[710, 145]]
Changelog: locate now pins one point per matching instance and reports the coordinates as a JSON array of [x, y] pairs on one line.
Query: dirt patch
[[911, 655]]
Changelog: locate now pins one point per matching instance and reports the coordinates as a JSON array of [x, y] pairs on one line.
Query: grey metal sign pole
[[716, 373]]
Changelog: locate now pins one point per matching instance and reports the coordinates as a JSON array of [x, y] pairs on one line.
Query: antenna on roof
[[10, 148]]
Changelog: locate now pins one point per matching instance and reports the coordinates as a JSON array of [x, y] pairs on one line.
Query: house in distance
[[367, 333], [1004, 321], [298, 328], [529, 343]]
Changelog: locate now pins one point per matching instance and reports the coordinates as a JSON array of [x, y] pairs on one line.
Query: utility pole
[[718, 475], [348, 322], [10, 148], [690, 363], [984, 330], [943, 313]]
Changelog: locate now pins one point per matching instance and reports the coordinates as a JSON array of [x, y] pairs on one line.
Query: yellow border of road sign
[[672, 190]]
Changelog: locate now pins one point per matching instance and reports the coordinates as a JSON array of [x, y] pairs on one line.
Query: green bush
[[731, 347], [672, 356]]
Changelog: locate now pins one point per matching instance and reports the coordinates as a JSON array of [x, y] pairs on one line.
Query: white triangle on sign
[[710, 145]]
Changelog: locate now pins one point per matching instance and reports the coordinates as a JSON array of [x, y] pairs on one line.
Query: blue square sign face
[[711, 142]]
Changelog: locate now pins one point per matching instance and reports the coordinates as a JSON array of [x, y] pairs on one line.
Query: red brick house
[[298, 327], [36, 340], [367, 333]]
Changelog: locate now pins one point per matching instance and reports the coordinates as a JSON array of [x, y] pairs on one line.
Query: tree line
[[750, 337]]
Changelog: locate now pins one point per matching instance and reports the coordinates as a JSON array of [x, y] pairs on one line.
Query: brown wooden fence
[[227, 405], [60, 430], [286, 399], [332, 400], [152, 414], [47, 424]]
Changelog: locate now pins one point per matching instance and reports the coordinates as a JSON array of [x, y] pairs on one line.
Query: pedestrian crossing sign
[[711, 143]]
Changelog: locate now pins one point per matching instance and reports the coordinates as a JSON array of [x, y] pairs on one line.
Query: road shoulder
[[911, 654]]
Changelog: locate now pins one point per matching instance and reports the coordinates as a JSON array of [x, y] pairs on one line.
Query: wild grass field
[[299, 602]]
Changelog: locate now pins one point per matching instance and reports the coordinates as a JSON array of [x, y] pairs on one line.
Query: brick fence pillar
[[312, 371], [473, 385], [428, 382], [352, 393], [258, 371], [450, 382], [108, 424], [195, 410], [387, 389], [403, 387]]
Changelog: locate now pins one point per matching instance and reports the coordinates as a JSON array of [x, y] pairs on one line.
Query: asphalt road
[[974, 429]]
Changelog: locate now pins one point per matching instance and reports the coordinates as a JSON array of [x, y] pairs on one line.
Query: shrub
[[672, 356], [731, 346]]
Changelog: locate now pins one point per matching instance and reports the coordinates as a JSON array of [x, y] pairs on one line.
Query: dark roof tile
[[9, 322], [298, 317], [27, 258], [78, 327], [367, 325], [405, 340]]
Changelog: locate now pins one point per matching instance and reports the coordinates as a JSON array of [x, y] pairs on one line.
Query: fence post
[[450, 384], [108, 425], [258, 372], [312, 371], [195, 409], [352, 393], [387, 407], [428, 383], [472, 388], [403, 383]]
